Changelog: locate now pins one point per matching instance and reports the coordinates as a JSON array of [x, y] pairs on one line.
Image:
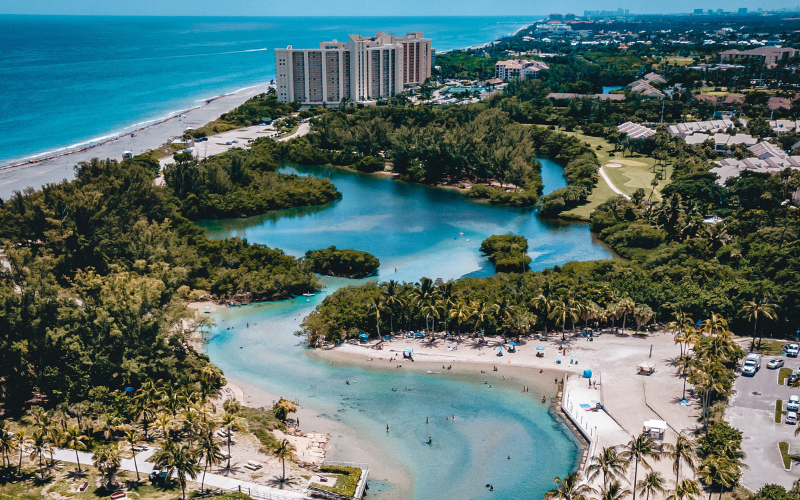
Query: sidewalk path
[[302, 130], [611, 184], [215, 480]]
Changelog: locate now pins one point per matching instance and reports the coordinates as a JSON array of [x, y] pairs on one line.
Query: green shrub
[[507, 252], [779, 411]]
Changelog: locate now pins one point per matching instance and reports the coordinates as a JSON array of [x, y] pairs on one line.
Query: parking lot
[[752, 410]]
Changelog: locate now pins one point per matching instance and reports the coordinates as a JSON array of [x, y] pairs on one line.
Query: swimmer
[[429, 441], [387, 427], [509, 457], [426, 420], [347, 382]]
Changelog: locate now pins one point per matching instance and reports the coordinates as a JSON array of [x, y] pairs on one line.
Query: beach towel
[[586, 407]]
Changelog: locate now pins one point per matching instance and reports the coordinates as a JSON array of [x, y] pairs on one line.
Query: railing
[[260, 494], [570, 409], [362, 482]]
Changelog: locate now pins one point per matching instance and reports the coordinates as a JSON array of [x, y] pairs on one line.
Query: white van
[[792, 350], [752, 364]]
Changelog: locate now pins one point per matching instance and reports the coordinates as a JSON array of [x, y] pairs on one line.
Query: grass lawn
[[787, 458], [680, 61], [65, 483], [635, 172], [779, 411], [769, 347], [783, 374]]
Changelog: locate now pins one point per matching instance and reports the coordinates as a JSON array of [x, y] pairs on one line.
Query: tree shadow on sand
[[281, 483]]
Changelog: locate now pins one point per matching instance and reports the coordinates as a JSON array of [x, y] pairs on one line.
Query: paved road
[[752, 410]]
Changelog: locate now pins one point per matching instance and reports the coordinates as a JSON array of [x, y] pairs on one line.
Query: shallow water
[[416, 230]]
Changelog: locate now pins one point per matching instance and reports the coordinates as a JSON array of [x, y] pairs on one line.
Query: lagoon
[[417, 230]]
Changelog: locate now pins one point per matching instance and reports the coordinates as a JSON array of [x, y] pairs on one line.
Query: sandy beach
[[629, 399], [59, 166]]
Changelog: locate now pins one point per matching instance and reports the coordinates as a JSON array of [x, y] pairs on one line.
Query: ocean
[[71, 80]]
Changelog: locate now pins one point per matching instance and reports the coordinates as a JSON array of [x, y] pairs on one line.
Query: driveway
[[752, 411]]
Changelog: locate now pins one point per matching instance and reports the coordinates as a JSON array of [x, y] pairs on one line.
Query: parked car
[[774, 364], [792, 378], [791, 418], [228, 143], [792, 350]]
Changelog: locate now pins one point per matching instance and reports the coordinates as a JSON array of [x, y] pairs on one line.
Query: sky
[[366, 7]]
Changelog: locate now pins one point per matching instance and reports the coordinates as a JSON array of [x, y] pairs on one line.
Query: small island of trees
[[346, 263]]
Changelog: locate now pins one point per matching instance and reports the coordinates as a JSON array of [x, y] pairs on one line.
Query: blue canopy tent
[[408, 353], [587, 373], [364, 337]]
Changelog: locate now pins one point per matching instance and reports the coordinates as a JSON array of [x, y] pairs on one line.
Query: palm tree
[[39, 446], [231, 423], [146, 399], [752, 310], [209, 453], [191, 423], [609, 464], [283, 450], [684, 363], [55, 436], [481, 311], [720, 471], [74, 438], [6, 443], [461, 312], [625, 307], [392, 298], [569, 488], [106, 459], [652, 483], [639, 450], [178, 458], [542, 304], [561, 311], [21, 440], [165, 423], [613, 491], [133, 437], [378, 306], [683, 451], [232, 406], [686, 489], [612, 312]]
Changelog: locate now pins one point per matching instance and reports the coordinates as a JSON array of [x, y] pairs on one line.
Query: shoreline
[[113, 136], [81, 149]]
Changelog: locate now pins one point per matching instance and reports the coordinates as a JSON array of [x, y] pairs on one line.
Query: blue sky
[[363, 7]]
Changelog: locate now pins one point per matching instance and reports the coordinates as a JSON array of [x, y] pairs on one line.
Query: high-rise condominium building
[[362, 70]]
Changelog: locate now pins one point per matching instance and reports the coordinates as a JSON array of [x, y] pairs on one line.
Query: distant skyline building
[[362, 69]]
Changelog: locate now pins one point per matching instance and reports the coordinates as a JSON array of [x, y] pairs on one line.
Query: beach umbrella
[[499, 348], [512, 343], [540, 348]]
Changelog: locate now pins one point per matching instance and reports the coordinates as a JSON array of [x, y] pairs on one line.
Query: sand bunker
[[613, 165]]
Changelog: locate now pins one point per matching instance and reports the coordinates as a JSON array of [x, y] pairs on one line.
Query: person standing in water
[[387, 427]]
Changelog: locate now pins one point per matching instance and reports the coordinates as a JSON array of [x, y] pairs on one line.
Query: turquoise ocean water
[[67, 80]]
